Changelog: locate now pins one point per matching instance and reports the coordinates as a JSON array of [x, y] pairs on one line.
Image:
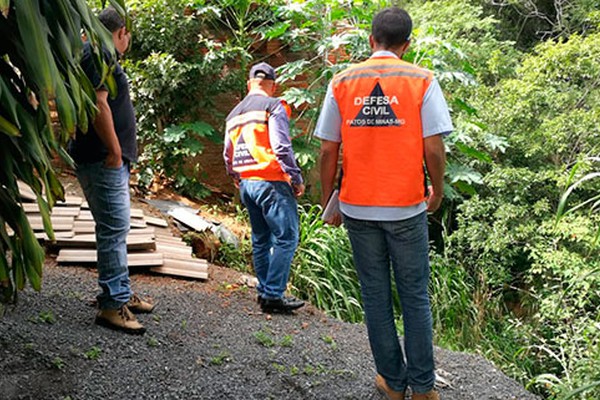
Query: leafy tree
[[529, 21], [185, 56], [534, 280], [40, 72]]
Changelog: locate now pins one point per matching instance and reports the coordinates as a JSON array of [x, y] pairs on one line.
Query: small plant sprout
[[221, 358], [287, 341], [58, 363], [264, 338], [330, 341], [93, 353]]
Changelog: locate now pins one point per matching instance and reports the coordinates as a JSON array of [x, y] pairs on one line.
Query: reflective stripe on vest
[[382, 158], [253, 157]]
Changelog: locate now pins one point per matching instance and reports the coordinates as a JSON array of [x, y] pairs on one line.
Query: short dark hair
[[111, 19], [391, 27]]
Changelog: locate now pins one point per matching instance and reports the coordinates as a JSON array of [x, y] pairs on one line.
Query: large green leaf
[[41, 51]]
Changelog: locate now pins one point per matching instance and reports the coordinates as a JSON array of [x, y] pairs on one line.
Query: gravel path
[[205, 340]]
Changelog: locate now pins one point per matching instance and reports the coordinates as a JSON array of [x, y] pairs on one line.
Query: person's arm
[[435, 160], [281, 144], [105, 128], [328, 129], [228, 159], [328, 160]]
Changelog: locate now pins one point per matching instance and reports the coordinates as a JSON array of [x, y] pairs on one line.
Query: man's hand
[[105, 129], [113, 161], [335, 220], [435, 160], [298, 189], [433, 201]]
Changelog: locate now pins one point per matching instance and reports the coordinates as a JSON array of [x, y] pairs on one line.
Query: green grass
[[330, 341], [264, 338], [287, 341], [44, 317], [93, 353], [58, 363], [323, 271], [220, 359]]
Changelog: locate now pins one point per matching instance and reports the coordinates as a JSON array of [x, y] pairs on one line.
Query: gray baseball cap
[[263, 71]]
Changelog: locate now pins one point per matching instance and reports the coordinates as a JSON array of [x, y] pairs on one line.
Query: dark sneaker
[[283, 305], [386, 391], [139, 306], [120, 320]]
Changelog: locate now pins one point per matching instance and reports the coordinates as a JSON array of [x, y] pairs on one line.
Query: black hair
[[391, 27], [111, 19]]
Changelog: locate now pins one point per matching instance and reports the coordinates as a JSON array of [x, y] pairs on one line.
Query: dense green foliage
[[515, 274], [516, 277], [39, 71]]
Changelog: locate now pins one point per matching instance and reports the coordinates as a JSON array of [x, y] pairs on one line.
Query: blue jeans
[[273, 215], [107, 193], [404, 245]]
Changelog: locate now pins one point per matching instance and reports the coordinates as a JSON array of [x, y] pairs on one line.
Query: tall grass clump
[[323, 271]]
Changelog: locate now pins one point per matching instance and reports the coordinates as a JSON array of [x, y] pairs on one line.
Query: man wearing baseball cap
[[259, 157]]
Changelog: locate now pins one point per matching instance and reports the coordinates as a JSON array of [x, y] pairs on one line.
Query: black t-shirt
[[87, 147]]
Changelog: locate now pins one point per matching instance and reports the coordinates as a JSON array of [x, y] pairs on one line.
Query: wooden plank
[[57, 235], [189, 219], [70, 256], [39, 226], [85, 205], [149, 231], [85, 215], [58, 223], [31, 207], [168, 235], [26, 192], [188, 269], [181, 256], [165, 248], [156, 221], [176, 245], [34, 208], [170, 240], [72, 201], [82, 227], [137, 224], [89, 241], [35, 218], [136, 213]]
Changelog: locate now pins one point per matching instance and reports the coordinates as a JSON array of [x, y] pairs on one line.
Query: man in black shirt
[[103, 156]]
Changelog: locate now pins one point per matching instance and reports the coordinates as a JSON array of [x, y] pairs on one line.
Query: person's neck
[[397, 51], [258, 91]]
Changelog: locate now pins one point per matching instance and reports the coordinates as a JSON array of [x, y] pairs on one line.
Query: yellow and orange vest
[[248, 128]]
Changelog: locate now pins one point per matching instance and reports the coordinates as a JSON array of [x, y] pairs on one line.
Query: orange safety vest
[[382, 156], [248, 128]]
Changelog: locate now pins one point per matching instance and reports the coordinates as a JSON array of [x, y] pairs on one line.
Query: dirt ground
[[205, 340]]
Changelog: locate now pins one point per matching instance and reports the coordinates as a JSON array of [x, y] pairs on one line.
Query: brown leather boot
[[121, 320], [139, 306], [431, 395], [386, 391]]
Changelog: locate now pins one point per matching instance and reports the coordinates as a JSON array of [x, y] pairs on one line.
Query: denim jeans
[[404, 245], [107, 193], [273, 215]]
